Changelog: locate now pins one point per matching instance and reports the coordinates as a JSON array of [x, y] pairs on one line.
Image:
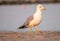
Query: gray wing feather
[[28, 20]]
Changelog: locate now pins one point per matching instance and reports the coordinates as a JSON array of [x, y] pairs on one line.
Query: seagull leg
[[37, 29], [30, 30]]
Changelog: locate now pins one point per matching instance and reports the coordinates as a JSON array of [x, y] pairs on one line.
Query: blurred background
[[13, 13]]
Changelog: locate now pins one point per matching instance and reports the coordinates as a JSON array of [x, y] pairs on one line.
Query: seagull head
[[40, 7]]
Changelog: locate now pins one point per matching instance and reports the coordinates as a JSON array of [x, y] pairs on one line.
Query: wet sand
[[26, 36]]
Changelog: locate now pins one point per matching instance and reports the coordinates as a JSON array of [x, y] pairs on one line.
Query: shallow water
[[13, 16]]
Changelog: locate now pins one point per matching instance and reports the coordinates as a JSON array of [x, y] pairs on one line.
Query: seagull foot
[[30, 32], [39, 31]]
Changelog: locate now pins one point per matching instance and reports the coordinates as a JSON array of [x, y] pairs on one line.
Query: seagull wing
[[29, 19]]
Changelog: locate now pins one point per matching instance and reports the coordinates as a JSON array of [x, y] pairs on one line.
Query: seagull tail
[[21, 27]]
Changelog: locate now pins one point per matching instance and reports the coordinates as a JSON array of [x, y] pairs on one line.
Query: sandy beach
[[26, 36]]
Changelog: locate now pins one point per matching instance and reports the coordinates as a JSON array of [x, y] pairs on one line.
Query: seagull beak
[[44, 9]]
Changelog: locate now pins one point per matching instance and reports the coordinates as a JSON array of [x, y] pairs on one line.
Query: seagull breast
[[36, 19]]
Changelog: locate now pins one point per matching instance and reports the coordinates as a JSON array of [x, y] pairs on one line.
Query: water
[[13, 16]]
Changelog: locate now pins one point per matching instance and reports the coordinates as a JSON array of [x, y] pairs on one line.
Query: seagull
[[34, 20]]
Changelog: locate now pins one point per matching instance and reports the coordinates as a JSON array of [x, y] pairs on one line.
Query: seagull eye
[[40, 6]]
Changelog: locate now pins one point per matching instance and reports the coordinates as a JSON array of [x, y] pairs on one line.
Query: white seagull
[[35, 19]]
